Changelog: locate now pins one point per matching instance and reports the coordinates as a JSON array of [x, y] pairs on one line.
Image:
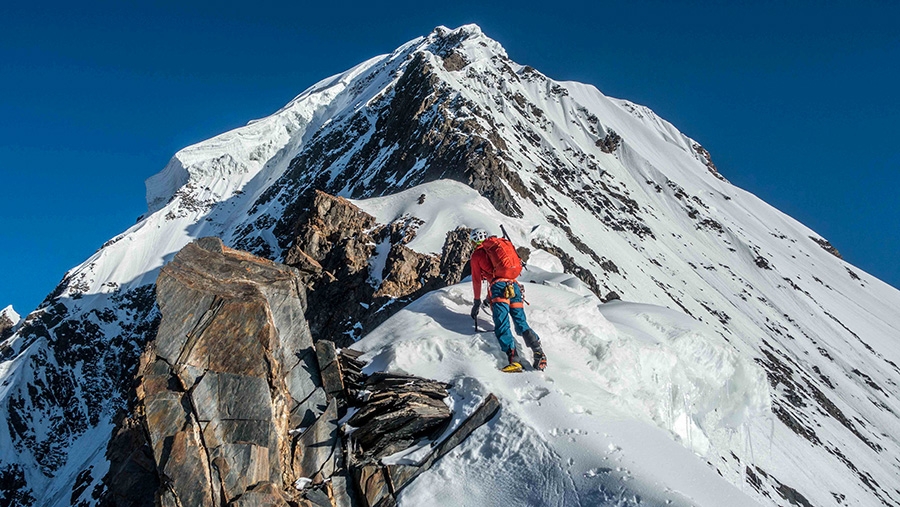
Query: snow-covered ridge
[[235, 157], [225, 163], [689, 391]]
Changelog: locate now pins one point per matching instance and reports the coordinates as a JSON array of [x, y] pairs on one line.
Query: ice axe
[[505, 235]]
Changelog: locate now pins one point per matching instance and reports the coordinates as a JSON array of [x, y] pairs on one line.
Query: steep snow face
[[602, 187]]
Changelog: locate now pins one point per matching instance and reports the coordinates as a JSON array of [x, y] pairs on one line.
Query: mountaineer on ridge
[[495, 260]]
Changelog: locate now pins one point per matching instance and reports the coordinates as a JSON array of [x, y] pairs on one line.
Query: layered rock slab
[[236, 405], [232, 370]]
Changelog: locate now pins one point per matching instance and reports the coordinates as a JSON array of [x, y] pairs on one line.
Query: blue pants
[[503, 313]]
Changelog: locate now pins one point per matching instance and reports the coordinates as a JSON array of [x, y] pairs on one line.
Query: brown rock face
[[610, 143], [706, 158], [6, 326], [335, 245], [455, 61], [232, 371], [827, 246], [236, 406], [328, 222], [407, 271]]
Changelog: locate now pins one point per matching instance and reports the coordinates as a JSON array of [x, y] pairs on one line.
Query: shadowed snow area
[[621, 375]]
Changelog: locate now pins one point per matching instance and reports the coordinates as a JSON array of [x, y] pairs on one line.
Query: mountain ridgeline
[[623, 200]]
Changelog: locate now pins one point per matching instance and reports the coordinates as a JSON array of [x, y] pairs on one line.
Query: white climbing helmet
[[478, 235]]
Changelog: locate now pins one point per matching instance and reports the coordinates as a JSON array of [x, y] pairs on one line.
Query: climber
[[495, 259]]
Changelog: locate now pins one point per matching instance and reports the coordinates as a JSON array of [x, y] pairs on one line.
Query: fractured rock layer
[[232, 370], [335, 249]]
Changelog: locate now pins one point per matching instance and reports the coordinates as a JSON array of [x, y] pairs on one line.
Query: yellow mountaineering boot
[[514, 365], [512, 368]]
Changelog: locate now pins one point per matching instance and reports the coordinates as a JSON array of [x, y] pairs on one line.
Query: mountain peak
[[462, 32], [468, 40]]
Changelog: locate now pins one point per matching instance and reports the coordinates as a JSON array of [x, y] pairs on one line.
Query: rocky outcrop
[[408, 271], [336, 249], [231, 372], [8, 319], [827, 246], [610, 143], [454, 62], [706, 158], [235, 404], [398, 410], [393, 412], [379, 484], [328, 222]]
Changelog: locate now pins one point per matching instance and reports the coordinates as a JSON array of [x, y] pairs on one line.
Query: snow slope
[[595, 186], [606, 423], [636, 397], [640, 401]]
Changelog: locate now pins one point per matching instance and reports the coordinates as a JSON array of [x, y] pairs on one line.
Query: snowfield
[[635, 398]]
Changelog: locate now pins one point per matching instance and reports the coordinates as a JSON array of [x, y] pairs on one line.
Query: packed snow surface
[[635, 397], [636, 400]]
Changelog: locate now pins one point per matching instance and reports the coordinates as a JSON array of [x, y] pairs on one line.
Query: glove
[[476, 308]]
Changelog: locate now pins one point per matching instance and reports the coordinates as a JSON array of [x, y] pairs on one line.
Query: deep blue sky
[[797, 103]]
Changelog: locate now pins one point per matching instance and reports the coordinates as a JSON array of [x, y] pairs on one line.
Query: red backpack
[[504, 259]]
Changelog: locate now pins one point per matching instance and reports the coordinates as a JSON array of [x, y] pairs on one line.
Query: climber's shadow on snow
[[450, 310], [450, 320]]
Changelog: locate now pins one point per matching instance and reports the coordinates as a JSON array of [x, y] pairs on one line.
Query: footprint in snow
[[531, 395]]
